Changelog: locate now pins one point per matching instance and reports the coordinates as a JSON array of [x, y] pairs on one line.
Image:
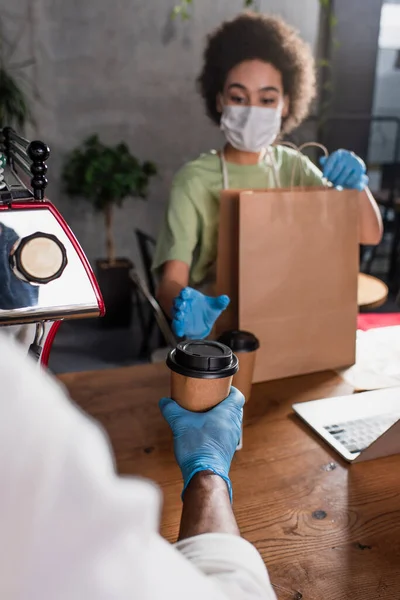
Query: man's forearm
[[209, 538], [207, 507]]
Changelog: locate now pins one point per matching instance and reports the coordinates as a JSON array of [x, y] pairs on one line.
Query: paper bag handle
[[299, 150]]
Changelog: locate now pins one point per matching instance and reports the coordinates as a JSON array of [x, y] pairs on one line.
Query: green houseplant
[[106, 176], [14, 102], [14, 109]]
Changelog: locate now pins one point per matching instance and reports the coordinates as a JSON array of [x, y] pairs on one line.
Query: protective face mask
[[251, 128]]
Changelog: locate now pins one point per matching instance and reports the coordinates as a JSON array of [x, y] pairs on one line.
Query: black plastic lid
[[239, 341], [203, 359]]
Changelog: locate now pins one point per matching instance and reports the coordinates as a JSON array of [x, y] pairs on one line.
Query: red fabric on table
[[367, 321]]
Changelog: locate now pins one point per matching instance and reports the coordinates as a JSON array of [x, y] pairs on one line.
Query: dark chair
[[147, 245], [388, 198]]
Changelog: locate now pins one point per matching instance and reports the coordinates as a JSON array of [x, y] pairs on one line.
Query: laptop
[[360, 426]]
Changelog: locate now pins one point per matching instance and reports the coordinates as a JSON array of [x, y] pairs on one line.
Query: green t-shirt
[[190, 229]]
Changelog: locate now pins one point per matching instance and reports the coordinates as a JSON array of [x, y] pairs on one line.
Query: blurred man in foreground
[[71, 529]]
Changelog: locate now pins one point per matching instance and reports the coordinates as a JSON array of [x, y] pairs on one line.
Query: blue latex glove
[[205, 441], [194, 314], [345, 169]]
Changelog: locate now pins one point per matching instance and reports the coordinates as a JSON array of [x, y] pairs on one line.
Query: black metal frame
[[372, 119], [29, 158], [352, 118], [391, 185]]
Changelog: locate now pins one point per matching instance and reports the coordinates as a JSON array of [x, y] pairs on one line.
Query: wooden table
[[372, 292], [326, 530]]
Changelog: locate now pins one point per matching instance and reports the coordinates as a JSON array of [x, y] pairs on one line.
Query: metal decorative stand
[[30, 158], [3, 162]]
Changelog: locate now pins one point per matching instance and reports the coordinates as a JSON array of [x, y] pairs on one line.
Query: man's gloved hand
[[345, 169], [194, 314], [205, 441]]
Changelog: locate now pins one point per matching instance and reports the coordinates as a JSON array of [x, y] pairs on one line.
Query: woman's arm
[[371, 226], [193, 314], [175, 277], [177, 241]]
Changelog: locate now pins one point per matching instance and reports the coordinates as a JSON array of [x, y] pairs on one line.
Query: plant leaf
[[333, 21], [324, 62], [14, 108]]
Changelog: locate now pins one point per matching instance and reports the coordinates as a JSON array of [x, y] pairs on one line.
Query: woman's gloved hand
[[345, 169], [205, 441], [194, 314]]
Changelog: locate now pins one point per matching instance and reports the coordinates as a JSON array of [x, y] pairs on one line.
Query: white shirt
[[71, 529]]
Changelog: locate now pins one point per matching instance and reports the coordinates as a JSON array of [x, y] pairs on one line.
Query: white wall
[[123, 69]]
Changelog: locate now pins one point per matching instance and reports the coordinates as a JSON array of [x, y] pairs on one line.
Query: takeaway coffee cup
[[201, 373], [245, 345]]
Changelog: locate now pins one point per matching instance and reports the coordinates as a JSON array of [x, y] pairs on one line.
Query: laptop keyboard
[[357, 435]]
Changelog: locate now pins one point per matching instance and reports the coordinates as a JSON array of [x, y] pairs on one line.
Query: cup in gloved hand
[[201, 374], [205, 441]]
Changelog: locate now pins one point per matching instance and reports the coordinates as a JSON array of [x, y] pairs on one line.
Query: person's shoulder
[[198, 169]]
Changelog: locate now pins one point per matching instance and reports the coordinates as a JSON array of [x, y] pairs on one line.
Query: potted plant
[[106, 176]]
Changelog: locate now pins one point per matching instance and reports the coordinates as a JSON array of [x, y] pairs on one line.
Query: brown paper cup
[[201, 373], [244, 377], [199, 395], [245, 345]]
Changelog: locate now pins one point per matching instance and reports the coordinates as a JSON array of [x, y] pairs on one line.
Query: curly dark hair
[[252, 36]]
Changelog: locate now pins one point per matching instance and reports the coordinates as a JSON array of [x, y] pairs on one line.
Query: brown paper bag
[[227, 277], [289, 261]]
